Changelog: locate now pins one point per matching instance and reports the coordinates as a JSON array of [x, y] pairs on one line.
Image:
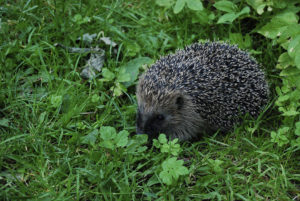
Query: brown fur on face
[[170, 112]]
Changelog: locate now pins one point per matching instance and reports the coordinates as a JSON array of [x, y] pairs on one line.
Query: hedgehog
[[203, 88]]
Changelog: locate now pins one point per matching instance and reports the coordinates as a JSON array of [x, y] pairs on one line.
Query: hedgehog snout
[[150, 124], [147, 128], [149, 131]]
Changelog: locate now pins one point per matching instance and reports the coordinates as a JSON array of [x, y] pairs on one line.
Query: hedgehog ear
[[179, 102]]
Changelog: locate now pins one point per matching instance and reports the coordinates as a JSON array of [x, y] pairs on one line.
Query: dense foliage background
[[63, 137]]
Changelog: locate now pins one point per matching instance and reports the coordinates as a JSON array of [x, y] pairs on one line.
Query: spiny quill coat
[[201, 89]]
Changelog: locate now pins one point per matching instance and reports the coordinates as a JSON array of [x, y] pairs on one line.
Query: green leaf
[[172, 169], [156, 143], [290, 113], [260, 9], [296, 143], [123, 76], [132, 48], [55, 101], [80, 20], [95, 98], [284, 61], [132, 69], [194, 5], [283, 98], [4, 122], [227, 18], [278, 25], [165, 148], [179, 6], [107, 132], [216, 165], [280, 4], [226, 6], [173, 142], [280, 137], [294, 50], [118, 89], [295, 95], [140, 139], [272, 29], [204, 17], [257, 5], [135, 143], [245, 10], [170, 147], [287, 17], [111, 139], [122, 138], [80, 125], [290, 32], [77, 18], [175, 150], [109, 144], [90, 138], [165, 3], [181, 170], [294, 46], [166, 177], [162, 139], [291, 71], [107, 74]]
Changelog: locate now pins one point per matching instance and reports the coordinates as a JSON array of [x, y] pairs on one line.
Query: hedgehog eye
[[179, 102], [160, 117]]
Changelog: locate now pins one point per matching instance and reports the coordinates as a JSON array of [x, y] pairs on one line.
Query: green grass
[[47, 110]]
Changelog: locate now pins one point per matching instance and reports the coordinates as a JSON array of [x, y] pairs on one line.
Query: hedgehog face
[[173, 114], [152, 124], [155, 119]]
